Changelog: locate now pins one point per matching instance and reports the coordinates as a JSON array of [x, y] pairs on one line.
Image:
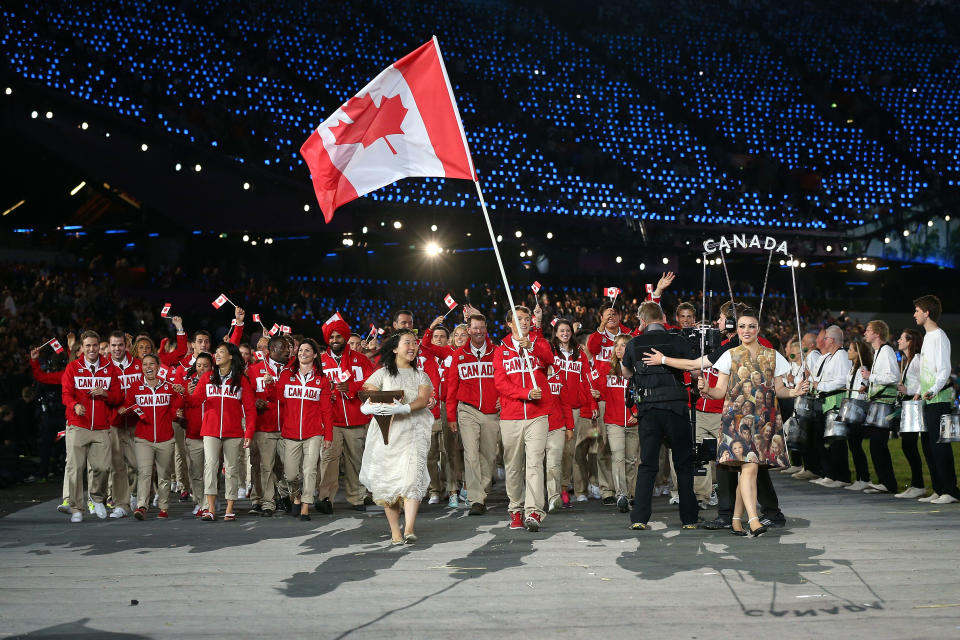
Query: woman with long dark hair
[[192, 424], [227, 399], [882, 378], [861, 359], [396, 473], [909, 344]]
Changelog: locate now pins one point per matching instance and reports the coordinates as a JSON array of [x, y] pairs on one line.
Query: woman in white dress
[[396, 473]]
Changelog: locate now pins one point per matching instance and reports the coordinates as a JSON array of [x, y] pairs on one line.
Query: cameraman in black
[[661, 401], [708, 416]]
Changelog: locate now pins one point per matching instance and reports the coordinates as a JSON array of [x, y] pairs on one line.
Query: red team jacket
[[172, 358], [306, 405], [428, 364], [76, 383], [224, 409], [511, 373], [613, 391], [470, 380], [268, 420], [131, 372], [153, 410], [346, 406]]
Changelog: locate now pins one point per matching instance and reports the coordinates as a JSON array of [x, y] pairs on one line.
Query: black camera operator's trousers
[[654, 425]]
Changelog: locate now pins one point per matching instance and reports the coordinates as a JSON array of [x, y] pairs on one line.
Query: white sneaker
[[434, 499], [910, 492], [133, 503], [77, 516], [859, 485], [119, 512], [174, 487], [791, 470], [241, 493], [930, 498], [581, 498], [674, 498], [805, 474], [594, 491], [100, 510], [820, 481], [944, 499], [195, 510], [836, 484], [713, 501]]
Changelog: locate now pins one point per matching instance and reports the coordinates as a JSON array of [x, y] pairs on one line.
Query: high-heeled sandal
[[758, 531], [735, 532]]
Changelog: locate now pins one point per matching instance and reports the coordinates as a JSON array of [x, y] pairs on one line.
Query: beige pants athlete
[[230, 447], [159, 455], [93, 448], [194, 449], [451, 460], [124, 465], [265, 484], [300, 459], [433, 457], [524, 445], [624, 445], [556, 443], [348, 442], [180, 459], [479, 433]]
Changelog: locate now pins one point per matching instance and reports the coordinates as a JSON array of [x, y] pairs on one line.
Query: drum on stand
[[911, 417], [949, 428], [834, 429], [808, 406], [880, 415], [852, 411]]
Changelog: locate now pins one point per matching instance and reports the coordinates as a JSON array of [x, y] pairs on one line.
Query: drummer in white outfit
[[830, 381], [882, 378], [909, 345], [812, 454], [861, 359]]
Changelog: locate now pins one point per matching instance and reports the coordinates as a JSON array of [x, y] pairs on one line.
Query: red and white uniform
[[158, 409], [428, 364], [172, 358], [236, 337], [600, 342], [470, 379], [306, 405], [224, 407], [512, 375], [131, 372], [574, 373], [613, 391], [77, 381], [346, 405], [192, 415], [268, 420], [561, 414]]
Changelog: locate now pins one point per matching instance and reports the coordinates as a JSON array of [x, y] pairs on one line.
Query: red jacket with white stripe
[[346, 405], [306, 405], [192, 416], [131, 371], [512, 375], [561, 414], [268, 419], [45, 377], [470, 379], [613, 391], [574, 373], [153, 409], [224, 408], [76, 383], [172, 358], [428, 364]]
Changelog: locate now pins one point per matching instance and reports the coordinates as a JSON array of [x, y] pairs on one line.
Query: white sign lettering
[[742, 241]]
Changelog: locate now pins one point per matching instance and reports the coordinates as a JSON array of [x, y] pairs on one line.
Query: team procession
[[650, 404]]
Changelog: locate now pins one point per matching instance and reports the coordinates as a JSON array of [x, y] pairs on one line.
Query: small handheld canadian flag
[[450, 302], [260, 355], [649, 288], [535, 286], [220, 301], [256, 317], [166, 310], [284, 329], [343, 376], [553, 322], [61, 435], [56, 345], [274, 329], [380, 331], [611, 292], [163, 372]]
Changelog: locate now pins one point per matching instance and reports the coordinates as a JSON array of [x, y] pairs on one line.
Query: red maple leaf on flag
[[370, 122]]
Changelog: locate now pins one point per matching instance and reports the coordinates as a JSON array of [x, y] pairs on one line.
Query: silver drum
[[808, 406], [949, 428], [853, 411], [880, 415], [911, 417], [834, 429], [795, 433]]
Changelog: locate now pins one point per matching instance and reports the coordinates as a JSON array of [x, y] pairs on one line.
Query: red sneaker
[[516, 520], [565, 499], [533, 522], [163, 514], [140, 513]]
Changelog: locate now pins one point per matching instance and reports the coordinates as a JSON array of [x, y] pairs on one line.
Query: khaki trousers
[[93, 448], [451, 460], [556, 440], [230, 447], [433, 456], [708, 426], [348, 442], [300, 459], [124, 465], [194, 449], [524, 444], [624, 443], [159, 455], [265, 454], [479, 433], [180, 459], [585, 469]]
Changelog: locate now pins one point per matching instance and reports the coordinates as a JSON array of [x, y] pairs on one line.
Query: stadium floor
[[848, 565]]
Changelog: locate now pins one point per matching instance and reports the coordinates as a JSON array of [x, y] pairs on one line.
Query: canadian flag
[[163, 372], [450, 302], [380, 331], [256, 317], [284, 329], [553, 322], [535, 286], [611, 292], [56, 345], [649, 288], [404, 123], [165, 310], [260, 355], [336, 317], [274, 329], [220, 301]]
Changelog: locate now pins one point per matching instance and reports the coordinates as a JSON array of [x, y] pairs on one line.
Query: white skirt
[[398, 471]]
